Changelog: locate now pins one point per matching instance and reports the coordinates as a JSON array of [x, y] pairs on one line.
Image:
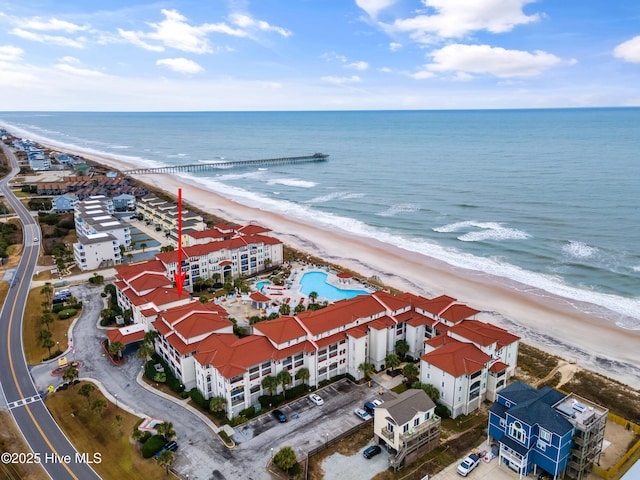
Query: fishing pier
[[205, 167]]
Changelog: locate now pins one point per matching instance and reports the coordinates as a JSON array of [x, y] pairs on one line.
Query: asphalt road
[[50, 447]]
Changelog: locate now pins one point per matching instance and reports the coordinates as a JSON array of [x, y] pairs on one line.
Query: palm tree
[[367, 369], [143, 246], [431, 391], [285, 458], [45, 340], [218, 404], [47, 291], [85, 390], [392, 360], [270, 383], [411, 372], [284, 379], [313, 296], [116, 348], [165, 429], [70, 375], [144, 352], [402, 348], [303, 375], [285, 309], [98, 405], [165, 459]]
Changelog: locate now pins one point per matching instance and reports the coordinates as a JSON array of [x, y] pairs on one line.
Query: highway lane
[[50, 447]]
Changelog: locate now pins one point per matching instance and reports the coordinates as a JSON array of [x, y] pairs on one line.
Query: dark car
[[369, 407], [371, 451], [172, 446], [278, 415], [544, 476]]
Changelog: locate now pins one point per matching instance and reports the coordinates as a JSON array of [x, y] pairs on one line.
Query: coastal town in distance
[[165, 341]]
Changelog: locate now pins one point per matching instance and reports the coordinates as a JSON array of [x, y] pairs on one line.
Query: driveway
[[201, 454]]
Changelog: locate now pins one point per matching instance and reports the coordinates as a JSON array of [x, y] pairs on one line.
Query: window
[[426, 416], [541, 445], [516, 430], [503, 422], [390, 427], [405, 428], [416, 422], [544, 435]]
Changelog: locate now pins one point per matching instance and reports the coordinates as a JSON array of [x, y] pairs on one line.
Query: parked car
[[362, 414], [317, 399], [369, 407], [278, 415], [468, 464], [371, 451], [544, 476], [377, 402], [172, 446]]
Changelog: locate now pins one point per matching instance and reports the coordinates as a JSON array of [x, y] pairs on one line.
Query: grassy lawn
[[91, 433], [11, 441], [33, 352]]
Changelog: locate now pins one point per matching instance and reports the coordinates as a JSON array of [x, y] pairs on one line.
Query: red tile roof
[[498, 367], [305, 346], [259, 297], [434, 306], [484, 332], [195, 319], [131, 271], [121, 335], [232, 356], [457, 358], [458, 312], [340, 313], [331, 339], [281, 330], [148, 281]]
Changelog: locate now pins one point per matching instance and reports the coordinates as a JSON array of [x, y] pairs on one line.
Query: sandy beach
[[545, 321]]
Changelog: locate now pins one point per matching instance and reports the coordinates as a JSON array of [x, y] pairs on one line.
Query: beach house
[[546, 430], [407, 426]]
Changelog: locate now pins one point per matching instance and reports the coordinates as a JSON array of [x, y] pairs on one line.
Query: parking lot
[[314, 424]]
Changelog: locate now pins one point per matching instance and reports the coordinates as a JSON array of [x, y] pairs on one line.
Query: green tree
[[45, 339], [431, 391], [285, 309], [118, 422], [217, 404], [85, 390], [284, 379], [303, 375], [165, 429], [313, 296], [402, 348], [143, 246], [285, 458], [167, 248], [98, 405], [47, 291], [270, 383], [115, 349], [411, 372], [367, 369], [392, 361], [144, 352], [165, 459], [70, 374], [299, 308], [46, 319]]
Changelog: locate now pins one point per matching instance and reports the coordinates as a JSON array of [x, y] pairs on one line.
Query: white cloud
[[342, 80], [246, 22], [135, 38], [9, 52], [361, 66], [52, 24], [83, 72], [48, 39], [69, 59], [395, 46], [458, 18], [372, 7], [465, 60], [180, 65], [629, 51]]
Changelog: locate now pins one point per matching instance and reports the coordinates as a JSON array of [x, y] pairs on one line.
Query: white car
[[317, 399], [362, 414], [377, 402]]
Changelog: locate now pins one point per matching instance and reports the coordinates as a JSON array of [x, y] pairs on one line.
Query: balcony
[[420, 430], [388, 434]]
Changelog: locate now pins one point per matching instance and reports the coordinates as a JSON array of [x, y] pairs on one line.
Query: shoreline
[[543, 320]]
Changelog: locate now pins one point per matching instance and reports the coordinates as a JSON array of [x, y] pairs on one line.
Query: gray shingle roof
[[405, 407]]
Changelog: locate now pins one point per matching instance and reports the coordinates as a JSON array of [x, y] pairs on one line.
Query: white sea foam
[[626, 307], [579, 250], [400, 208], [291, 182], [636, 268], [482, 231], [119, 147], [334, 196]]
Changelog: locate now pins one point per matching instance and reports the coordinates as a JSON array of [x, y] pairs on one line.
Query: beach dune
[[543, 320]]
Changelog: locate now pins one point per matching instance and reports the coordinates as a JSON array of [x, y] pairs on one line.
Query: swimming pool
[[260, 285], [317, 282]]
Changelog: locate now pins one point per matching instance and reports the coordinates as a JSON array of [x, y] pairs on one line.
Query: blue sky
[[318, 54]]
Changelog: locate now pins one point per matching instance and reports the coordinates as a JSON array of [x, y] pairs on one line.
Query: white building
[[96, 250]]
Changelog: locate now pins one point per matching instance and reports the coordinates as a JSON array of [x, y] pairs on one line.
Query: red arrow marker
[[179, 275]]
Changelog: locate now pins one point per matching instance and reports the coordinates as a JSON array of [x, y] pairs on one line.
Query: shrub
[[235, 421], [443, 411], [67, 313], [198, 399], [295, 392], [144, 437], [152, 446], [273, 400], [248, 412], [57, 308]]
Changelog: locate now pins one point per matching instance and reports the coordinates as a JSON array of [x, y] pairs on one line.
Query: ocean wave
[[119, 147], [579, 250], [624, 307], [334, 196], [400, 208], [291, 182], [483, 231]]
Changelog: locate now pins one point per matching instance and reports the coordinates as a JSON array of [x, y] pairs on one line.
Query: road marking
[[24, 401]]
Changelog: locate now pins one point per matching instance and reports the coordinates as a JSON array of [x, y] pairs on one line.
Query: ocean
[[548, 198]]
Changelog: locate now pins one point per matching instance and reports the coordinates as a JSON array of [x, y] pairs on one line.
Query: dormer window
[[517, 431]]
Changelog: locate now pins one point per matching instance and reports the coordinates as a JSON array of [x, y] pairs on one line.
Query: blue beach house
[[546, 430]]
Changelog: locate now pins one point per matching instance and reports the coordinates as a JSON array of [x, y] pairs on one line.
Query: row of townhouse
[[224, 259], [164, 215], [329, 342], [100, 234], [558, 433]]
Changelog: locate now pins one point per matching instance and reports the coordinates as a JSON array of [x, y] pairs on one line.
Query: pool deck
[[241, 308]]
